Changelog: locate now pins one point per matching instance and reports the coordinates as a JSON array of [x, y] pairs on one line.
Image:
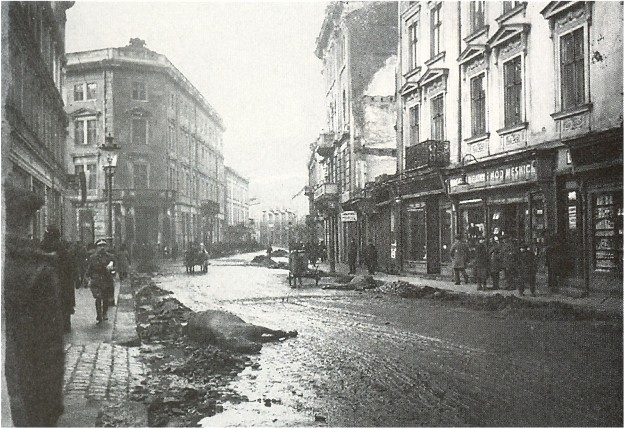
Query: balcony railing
[[326, 190], [325, 145], [428, 153], [151, 195]]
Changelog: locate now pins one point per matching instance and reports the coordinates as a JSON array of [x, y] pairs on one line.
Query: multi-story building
[[521, 93], [33, 119], [236, 207], [357, 44], [169, 183], [276, 227]]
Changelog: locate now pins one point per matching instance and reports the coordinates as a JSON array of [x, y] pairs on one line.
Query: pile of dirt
[[358, 283], [407, 290], [279, 253], [185, 381]]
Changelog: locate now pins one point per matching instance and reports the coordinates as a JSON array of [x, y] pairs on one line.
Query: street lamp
[[463, 179], [109, 150]]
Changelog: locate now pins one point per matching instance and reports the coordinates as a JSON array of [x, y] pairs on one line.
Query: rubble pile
[[185, 381], [279, 253], [407, 290], [358, 283]]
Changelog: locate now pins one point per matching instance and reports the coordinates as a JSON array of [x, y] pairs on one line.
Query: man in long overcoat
[[352, 256], [459, 256]]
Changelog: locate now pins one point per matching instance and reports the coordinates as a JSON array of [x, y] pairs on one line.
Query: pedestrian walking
[[459, 257], [510, 263], [80, 260], [269, 251], [481, 264], [371, 258], [496, 263], [527, 269], [101, 279], [64, 265], [123, 262], [352, 256], [34, 357]]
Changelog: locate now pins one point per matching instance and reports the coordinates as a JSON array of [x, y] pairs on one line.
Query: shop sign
[[393, 250], [415, 206], [572, 217], [348, 216], [515, 173]]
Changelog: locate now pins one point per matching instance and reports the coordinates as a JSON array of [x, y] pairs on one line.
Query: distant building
[[169, 184], [358, 46], [238, 227], [276, 227], [34, 122]]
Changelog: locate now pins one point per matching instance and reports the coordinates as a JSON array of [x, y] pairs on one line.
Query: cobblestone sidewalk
[[100, 370]]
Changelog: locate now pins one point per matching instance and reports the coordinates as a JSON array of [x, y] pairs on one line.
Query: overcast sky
[[253, 61]]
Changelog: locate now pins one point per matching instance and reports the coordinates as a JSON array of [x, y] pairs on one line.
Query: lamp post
[[109, 149]]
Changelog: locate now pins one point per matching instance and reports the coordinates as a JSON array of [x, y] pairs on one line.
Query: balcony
[[210, 207], [145, 197], [325, 144], [428, 153], [326, 191]]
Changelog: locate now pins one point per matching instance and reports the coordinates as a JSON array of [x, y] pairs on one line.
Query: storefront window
[[473, 224], [509, 221], [607, 231], [538, 221], [417, 239]]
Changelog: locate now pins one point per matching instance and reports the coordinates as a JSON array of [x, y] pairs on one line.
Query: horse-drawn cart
[[298, 268], [196, 257]]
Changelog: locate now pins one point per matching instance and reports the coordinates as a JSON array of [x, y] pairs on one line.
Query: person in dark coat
[[174, 251], [101, 278], [496, 263], [481, 264], [371, 258], [81, 260], [34, 358], [459, 257], [510, 263], [352, 256], [554, 252], [52, 243], [527, 269]]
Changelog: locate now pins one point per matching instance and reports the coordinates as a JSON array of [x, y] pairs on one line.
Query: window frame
[[137, 92], [82, 92], [84, 122], [478, 105], [579, 84], [133, 131], [437, 118], [412, 40], [414, 124], [436, 29], [477, 18], [134, 174], [507, 87]]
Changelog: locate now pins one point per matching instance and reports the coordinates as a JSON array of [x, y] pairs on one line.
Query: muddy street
[[371, 359]]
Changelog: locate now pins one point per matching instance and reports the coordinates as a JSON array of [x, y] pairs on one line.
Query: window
[[512, 71], [91, 176], [572, 69], [78, 92], [171, 137], [85, 131], [414, 121], [509, 5], [81, 95], [413, 43], [477, 15], [140, 176], [477, 98], [436, 25], [437, 118], [91, 91], [139, 92], [139, 131]]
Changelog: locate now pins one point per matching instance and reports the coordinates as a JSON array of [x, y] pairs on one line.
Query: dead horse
[[229, 331]]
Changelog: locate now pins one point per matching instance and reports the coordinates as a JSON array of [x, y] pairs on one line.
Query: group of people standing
[[369, 257], [513, 261]]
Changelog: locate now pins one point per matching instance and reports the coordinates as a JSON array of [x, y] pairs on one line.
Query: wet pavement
[[365, 359]]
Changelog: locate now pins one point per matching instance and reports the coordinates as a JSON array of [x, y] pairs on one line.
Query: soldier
[[34, 357], [99, 272]]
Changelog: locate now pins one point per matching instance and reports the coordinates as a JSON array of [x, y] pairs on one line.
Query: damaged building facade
[[507, 129], [169, 183], [357, 44]]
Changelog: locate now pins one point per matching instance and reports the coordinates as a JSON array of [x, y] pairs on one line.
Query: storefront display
[[607, 231]]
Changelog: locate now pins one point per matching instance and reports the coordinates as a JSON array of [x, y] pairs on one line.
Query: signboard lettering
[[517, 173], [348, 216]]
